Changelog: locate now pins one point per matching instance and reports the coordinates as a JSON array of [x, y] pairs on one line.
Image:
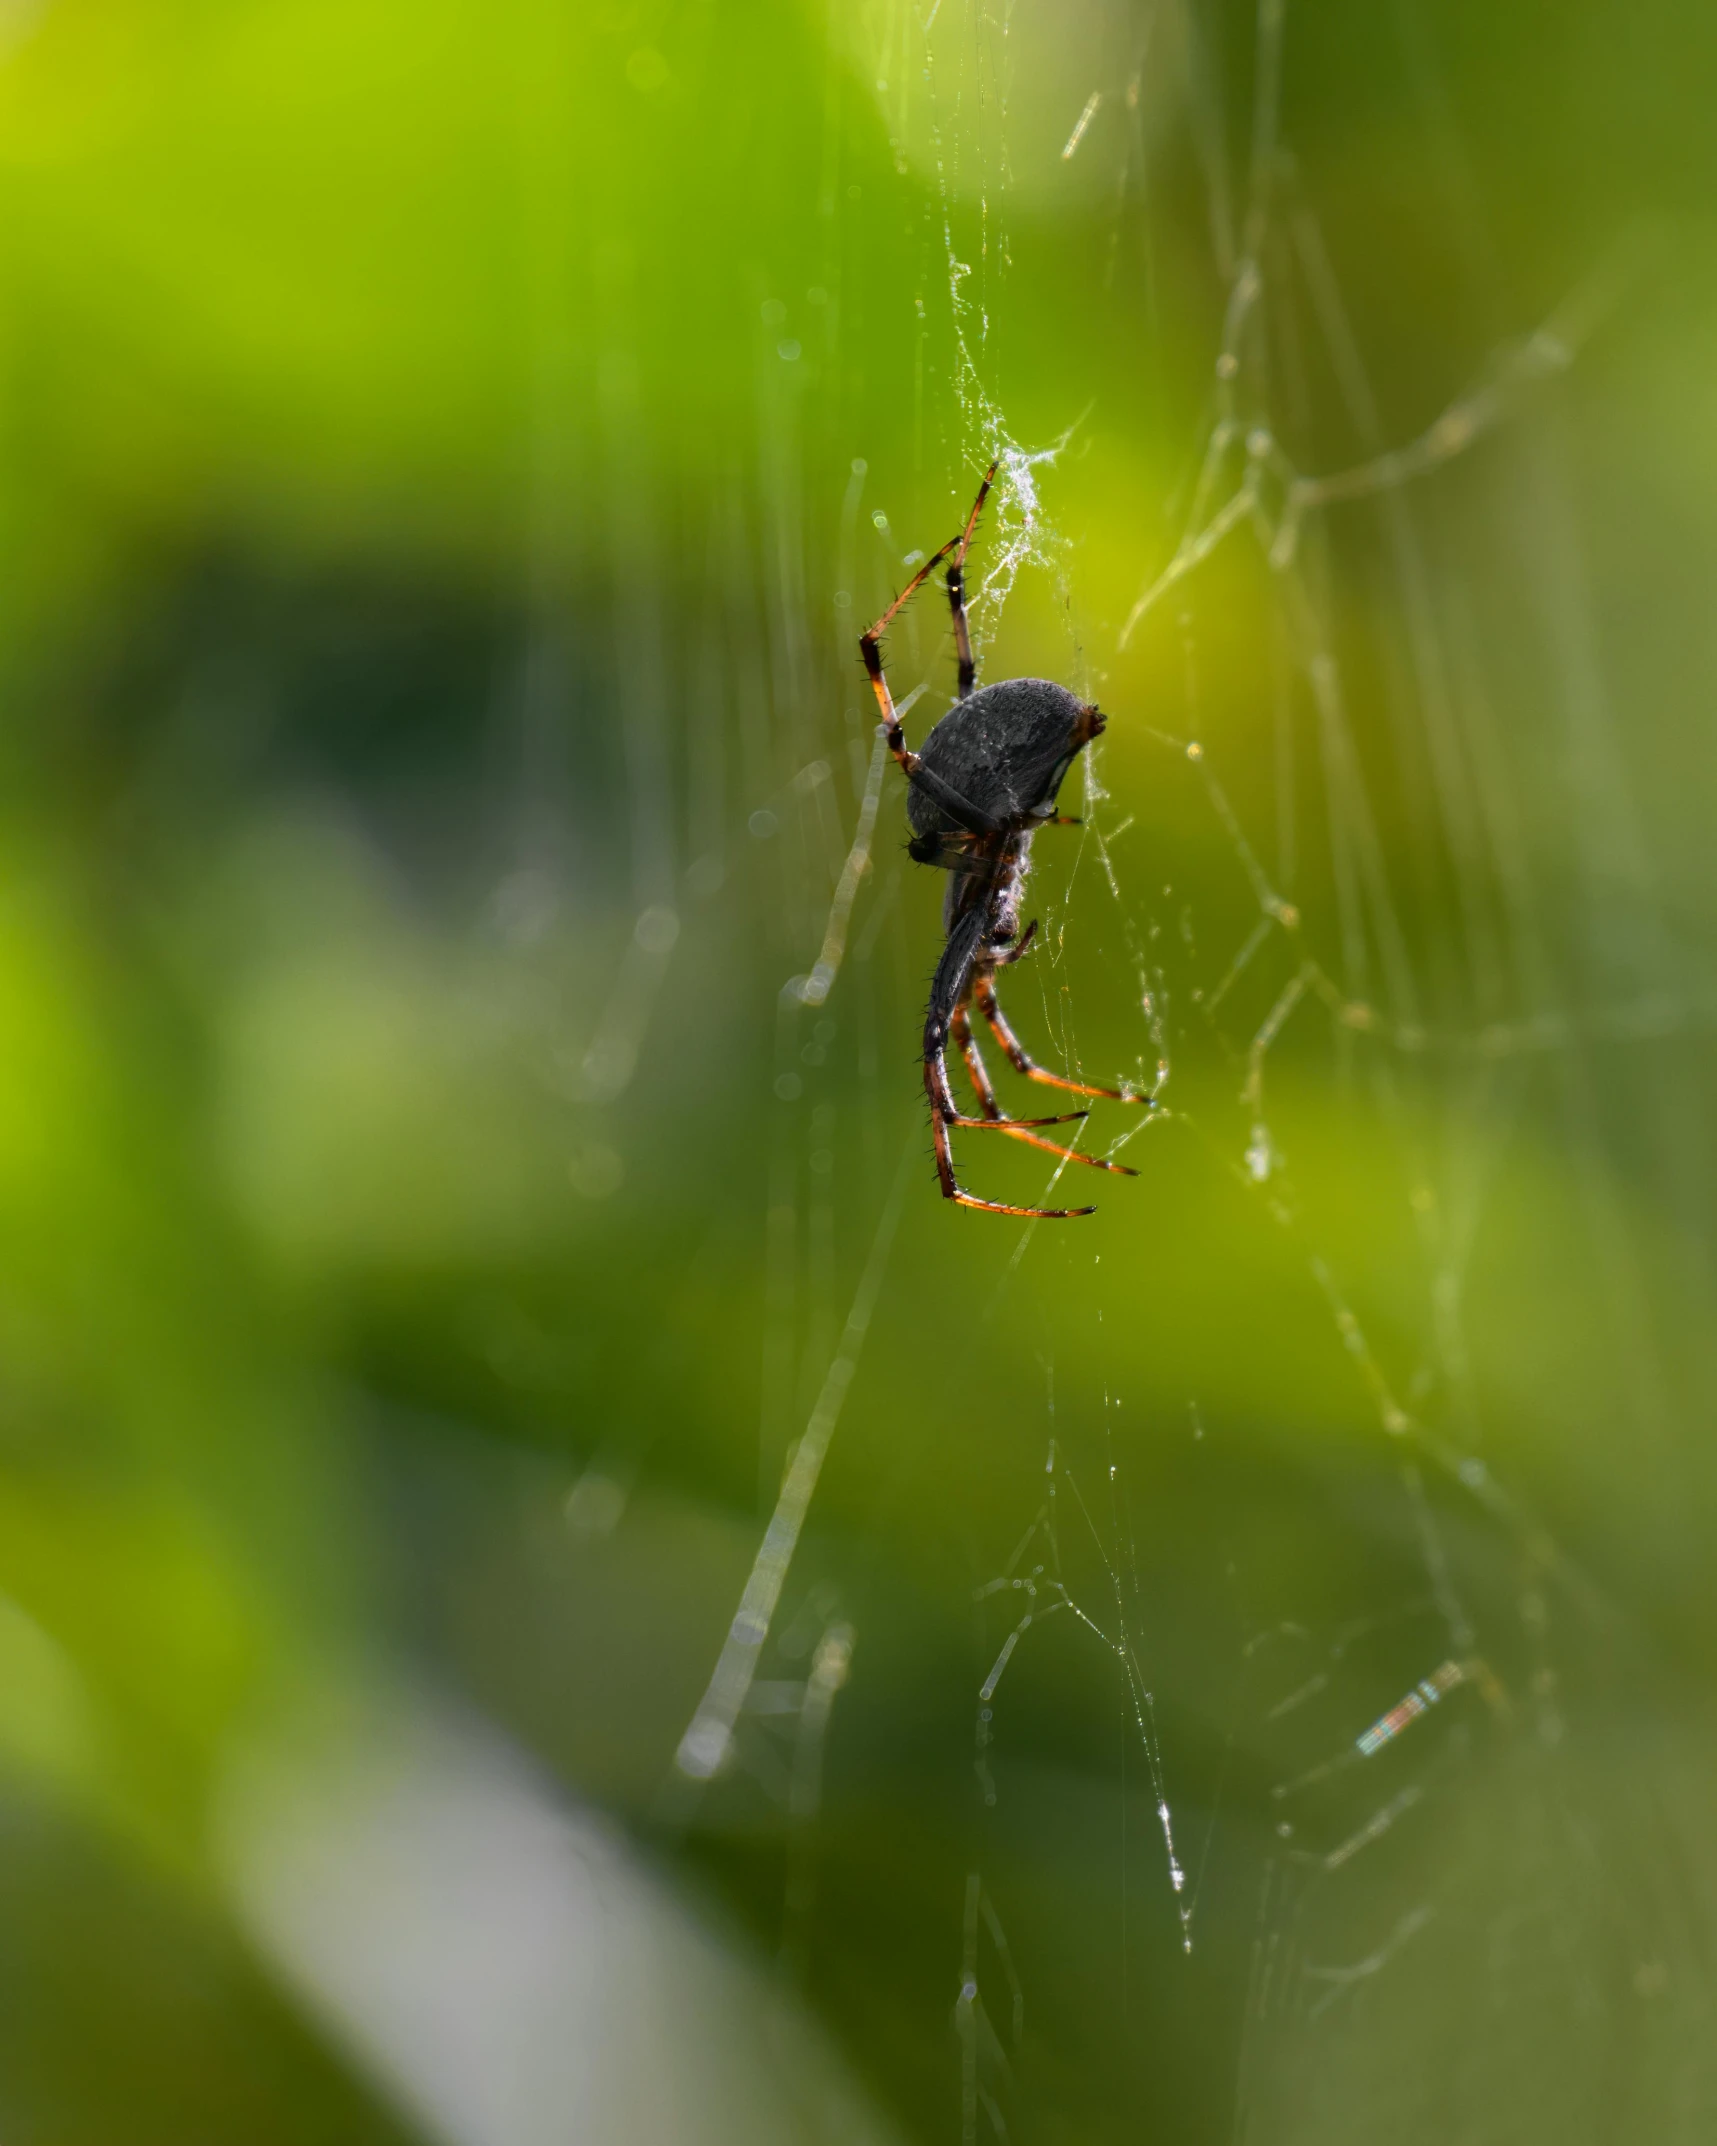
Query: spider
[[979, 790]]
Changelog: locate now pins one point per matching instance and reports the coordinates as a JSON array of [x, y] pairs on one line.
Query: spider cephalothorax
[[984, 781]]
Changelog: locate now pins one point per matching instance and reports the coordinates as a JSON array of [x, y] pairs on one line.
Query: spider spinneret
[[983, 783]]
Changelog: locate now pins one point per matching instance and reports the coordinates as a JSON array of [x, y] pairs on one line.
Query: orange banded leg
[[957, 589], [984, 991], [1004, 957], [998, 1120], [870, 646], [943, 1115], [942, 1095], [959, 809]]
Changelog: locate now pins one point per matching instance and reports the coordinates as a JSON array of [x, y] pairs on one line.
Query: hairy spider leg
[[870, 646], [953, 1190], [995, 1116], [957, 589], [995, 1120], [984, 991], [948, 993], [1004, 957], [957, 808]]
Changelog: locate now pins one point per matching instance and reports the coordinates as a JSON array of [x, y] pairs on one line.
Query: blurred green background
[[446, 456]]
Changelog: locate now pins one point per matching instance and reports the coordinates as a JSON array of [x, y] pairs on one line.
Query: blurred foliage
[[446, 455]]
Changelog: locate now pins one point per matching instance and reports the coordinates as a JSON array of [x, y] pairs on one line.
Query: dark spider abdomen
[[1004, 749]]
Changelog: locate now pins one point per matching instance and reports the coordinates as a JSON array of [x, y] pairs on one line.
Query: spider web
[[1355, 1754]]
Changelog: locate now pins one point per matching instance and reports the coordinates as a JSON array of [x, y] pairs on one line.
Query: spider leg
[[1003, 957], [949, 992], [957, 589], [996, 1118], [984, 990], [942, 1095], [953, 1190], [976, 1070], [870, 647], [925, 779]]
